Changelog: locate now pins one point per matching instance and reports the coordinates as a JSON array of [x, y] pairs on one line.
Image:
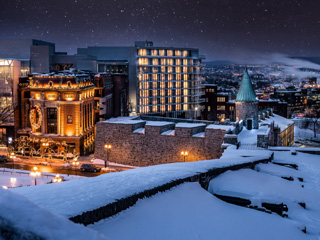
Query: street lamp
[[12, 156], [35, 173], [184, 154], [75, 164], [108, 148], [57, 178]]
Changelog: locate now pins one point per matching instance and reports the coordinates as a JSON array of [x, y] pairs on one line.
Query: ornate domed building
[[247, 104]]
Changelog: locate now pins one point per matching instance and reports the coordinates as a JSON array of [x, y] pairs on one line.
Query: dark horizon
[[222, 30]]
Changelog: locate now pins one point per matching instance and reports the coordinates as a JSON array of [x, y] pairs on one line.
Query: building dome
[[246, 92]]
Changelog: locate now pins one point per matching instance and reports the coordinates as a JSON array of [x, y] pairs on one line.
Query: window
[[169, 53], [52, 120], [69, 119], [142, 52], [154, 52], [221, 107], [209, 108], [177, 53], [185, 53], [220, 99], [162, 52]]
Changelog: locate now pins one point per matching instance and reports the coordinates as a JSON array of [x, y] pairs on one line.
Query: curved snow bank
[[189, 212], [22, 219]]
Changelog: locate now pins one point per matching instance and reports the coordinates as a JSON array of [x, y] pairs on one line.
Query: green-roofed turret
[[246, 92]]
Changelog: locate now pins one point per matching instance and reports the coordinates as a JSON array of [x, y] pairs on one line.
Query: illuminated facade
[[162, 80], [62, 108], [168, 80]]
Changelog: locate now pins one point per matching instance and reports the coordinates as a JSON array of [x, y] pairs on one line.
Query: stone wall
[[248, 110], [149, 147], [124, 203]]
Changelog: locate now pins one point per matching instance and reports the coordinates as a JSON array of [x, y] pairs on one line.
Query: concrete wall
[[153, 148]]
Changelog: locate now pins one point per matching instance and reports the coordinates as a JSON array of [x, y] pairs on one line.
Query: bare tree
[[6, 114]]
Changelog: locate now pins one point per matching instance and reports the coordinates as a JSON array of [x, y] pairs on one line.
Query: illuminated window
[[162, 92], [155, 61], [169, 69], [178, 69], [154, 52], [169, 107], [185, 77], [162, 85], [162, 100], [162, 52], [154, 93], [209, 108], [170, 77], [185, 92], [185, 61], [143, 61], [154, 77], [154, 85], [185, 84], [162, 77], [169, 61], [220, 99], [177, 53], [178, 76], [163, 69], [170, 85], [221, 107], [170, 100], [169, 53], [185, 53], [142, 52], [178, 99], [178, 92], [191, 62], [178, 61], [154, 109], [69, 119], [185, 107]]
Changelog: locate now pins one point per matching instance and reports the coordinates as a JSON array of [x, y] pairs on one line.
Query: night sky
[[225, 29]]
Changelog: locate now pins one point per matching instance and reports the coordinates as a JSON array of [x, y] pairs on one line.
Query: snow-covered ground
[[264, 184], [22, 219], [12, 178], [190, 212], [92, 193]]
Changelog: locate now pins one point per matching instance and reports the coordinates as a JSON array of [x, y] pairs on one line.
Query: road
[[50, 169]]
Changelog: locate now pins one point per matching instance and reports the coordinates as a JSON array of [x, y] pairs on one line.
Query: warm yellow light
[[4, 187], [12, 153], [107, 146], [35, 168], [184, 153]]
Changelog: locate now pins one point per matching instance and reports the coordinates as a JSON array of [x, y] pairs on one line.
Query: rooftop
[[246, 92]]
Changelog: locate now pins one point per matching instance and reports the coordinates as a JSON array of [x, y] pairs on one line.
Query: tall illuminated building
[[163, 81]]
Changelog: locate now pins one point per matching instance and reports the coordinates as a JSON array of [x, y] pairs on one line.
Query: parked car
[[3, 158], [89, 168]]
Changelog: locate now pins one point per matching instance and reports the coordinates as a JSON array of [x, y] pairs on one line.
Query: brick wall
[[150, 147]]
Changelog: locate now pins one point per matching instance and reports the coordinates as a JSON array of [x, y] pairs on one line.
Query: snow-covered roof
[[189, 125], [224, 127], [158, 123], [282, 122], [124, 120]]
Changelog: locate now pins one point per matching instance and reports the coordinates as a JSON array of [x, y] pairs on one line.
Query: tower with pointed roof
[[247, 105]]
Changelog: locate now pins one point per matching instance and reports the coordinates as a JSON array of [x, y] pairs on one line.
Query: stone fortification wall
[[142, 144]]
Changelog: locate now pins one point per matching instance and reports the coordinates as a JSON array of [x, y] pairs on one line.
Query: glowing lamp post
[[57, 178], [12, 156], [108, 149], [184, 154], [35, 173], [75, 164]]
